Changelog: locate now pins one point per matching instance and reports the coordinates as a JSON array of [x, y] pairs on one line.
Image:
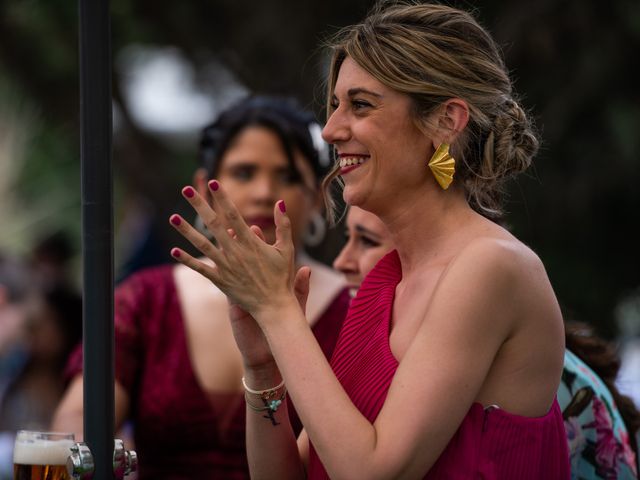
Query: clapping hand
[[254, 275]]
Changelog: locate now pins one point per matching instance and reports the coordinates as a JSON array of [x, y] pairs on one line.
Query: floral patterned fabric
[[598, 440]]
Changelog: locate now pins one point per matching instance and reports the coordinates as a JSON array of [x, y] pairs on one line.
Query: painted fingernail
[[175, 253], [188, 192], [175, 219], [214, 185], [282, 206]]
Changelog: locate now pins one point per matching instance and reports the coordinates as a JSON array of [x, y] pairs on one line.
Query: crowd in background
[[40, 322]]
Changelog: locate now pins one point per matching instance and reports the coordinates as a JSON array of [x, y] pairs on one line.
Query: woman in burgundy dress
[[178, 369], [449, 360]]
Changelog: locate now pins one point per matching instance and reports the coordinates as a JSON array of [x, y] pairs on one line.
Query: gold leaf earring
[[443, 165]]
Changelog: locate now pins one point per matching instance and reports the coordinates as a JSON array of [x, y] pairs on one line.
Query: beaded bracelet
[[268, 397]]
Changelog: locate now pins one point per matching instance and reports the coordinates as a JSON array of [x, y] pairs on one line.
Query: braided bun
[[508, 150]]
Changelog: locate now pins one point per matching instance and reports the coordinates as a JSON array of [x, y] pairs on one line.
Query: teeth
[[348, 161]]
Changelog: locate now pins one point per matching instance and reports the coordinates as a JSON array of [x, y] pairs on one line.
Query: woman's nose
[[336, 129], [263, 188], [345, 261]]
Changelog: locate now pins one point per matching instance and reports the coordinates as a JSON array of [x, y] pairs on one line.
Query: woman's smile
[[350, 161]]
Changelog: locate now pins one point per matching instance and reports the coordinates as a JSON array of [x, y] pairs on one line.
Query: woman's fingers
[[196, 238], [225, 208], [200, 183], [301, 286], [257, 231], [284, 239], [209, 217], [202, 268]]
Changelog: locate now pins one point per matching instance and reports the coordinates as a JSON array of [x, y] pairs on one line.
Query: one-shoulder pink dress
[[489, 444]]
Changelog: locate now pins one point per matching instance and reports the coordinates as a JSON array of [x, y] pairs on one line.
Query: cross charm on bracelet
[[270, 410]]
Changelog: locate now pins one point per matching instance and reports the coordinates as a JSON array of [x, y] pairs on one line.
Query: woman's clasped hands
[[254, 275]]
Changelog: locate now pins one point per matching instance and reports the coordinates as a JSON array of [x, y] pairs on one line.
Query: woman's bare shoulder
[[500, 254], [499, 272]]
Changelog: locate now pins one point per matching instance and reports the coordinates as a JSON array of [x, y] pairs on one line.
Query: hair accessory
[[322, 147], [271, 398], [443, 165]]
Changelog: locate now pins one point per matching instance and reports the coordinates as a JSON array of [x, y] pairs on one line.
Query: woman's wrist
[[262, 377], [276, 313]]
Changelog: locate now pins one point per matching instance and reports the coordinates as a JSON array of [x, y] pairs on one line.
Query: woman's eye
[[360, 104], [242, 173], [369, 242]]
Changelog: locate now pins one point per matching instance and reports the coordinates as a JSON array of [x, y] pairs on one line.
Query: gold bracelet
[[262, 392], [271, 405], [271, 398]]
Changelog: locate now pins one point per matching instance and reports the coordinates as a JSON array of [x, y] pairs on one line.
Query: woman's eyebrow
[[360, 90], [242, 164], [360, 229]]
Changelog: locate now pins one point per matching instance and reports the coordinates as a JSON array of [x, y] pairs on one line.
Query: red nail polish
[[282, 206], [176, 220], [188, 192], [214, 185], [175, 253]]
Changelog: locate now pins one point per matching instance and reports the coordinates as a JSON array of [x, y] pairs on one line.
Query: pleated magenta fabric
[[490, 443]]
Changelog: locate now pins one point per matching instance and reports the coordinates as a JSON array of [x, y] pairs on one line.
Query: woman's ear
[[452, 121]]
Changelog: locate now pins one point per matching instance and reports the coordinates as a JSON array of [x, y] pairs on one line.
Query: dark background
[[574, 63]]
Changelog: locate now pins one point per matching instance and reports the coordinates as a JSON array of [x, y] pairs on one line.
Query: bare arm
[[473, 311], [271, 449], [271, 446], [437, 380], [69, 414]]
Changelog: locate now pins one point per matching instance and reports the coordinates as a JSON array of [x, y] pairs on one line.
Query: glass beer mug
[[41, 455]]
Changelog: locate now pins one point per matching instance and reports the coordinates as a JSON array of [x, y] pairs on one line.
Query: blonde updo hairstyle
[[433, 53]]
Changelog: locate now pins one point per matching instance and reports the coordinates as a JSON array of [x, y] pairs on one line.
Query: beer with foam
[[41, 455]]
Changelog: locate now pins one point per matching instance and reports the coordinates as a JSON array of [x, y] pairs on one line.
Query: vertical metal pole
[[97, 232]]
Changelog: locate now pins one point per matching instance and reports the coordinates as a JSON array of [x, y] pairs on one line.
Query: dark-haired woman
[[178, 369]]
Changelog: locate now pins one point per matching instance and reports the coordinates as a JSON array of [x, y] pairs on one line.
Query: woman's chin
[[350, 196]]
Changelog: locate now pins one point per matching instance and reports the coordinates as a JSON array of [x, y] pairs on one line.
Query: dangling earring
[[443, 165], [316, 231]]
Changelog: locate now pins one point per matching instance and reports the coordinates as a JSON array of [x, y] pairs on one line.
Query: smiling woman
[[448, 363]]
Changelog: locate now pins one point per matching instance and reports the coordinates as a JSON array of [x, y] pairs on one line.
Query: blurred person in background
[[44, 324], [601, 424], [14, 291], [629, 379], [50, 261], [52, 328], [178, 368]]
